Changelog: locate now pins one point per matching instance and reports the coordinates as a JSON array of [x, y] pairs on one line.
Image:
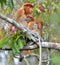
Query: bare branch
[[33, 36], [50, 45]]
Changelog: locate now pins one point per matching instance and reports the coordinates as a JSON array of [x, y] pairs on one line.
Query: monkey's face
[[28, 10]]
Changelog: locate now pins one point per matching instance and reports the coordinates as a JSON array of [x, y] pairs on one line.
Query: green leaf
[[3, 41], [28, 37], [32, 1], [15, 48], [1, 2], [37, 10], [10, 3], [55, 57], [5, 1], [0, 33], [21, 43]]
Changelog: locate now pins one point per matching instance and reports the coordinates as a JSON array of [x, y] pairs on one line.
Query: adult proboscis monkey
[[22, 13]]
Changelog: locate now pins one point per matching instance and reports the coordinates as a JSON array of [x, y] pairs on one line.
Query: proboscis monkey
[[41, 8], [22, 13], [36, 27], [23, 16]]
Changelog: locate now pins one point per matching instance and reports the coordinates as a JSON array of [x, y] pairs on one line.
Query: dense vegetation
[[50, 20]]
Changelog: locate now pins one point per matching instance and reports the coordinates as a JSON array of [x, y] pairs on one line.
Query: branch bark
[[50, 45], [32, 35]]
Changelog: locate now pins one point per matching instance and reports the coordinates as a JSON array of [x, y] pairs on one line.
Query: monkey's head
[[28, 8]]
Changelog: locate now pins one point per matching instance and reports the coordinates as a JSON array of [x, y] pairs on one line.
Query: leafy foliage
[[55, 58], [4, 41], [15, 41], [7, 2]]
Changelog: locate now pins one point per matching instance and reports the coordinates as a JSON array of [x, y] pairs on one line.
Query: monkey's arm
[[30, 25], [18, 14]]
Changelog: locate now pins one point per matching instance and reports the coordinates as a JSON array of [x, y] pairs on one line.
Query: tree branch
[[33, 36], [50, 45]]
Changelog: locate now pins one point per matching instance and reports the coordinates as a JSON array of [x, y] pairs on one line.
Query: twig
[[48, 56], [26, 61], [40, 50], [35, 55]]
